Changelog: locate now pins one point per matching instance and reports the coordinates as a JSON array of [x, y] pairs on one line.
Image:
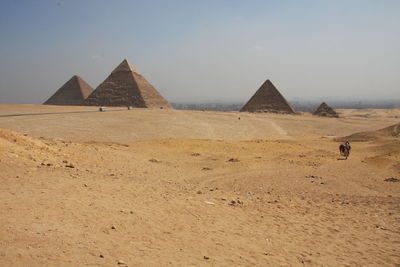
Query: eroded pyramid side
[[152, 98], [268, 99], [118, 89], [72, 93]]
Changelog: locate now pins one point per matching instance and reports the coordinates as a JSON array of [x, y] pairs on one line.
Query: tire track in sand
[[279, 129]]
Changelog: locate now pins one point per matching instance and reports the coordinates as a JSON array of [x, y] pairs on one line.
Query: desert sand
[[157, 187]]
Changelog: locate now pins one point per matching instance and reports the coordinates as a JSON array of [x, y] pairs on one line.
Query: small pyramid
[[268, 99], [325, 111], [125, 86], [72, 93]]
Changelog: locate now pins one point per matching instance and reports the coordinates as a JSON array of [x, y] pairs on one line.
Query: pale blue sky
[[204, 50]]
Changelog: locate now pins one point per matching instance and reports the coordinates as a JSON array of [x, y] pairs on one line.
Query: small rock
[[65, 161], [195, 154], [206, 257], [154, 160], [120, 262], [392, 179], [233, 160], [70, 166], [206, 169], [113, 227], [313, 177], [101, 256], [199, 192], [223, 198]]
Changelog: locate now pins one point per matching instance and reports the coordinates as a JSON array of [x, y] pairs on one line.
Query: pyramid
[[72, 93], [325, 111], [268, 99], [125, 86]]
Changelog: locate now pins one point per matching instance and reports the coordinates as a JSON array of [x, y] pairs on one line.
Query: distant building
[[268, 99], [325, 111], [125, 86], [72, 93]]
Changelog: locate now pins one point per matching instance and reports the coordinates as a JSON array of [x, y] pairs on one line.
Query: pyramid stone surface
[[72, 93], [325, 111], [268, 99], [125, 86]]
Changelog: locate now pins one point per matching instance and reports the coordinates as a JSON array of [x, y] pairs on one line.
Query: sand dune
[[192, 188], [387, 132]]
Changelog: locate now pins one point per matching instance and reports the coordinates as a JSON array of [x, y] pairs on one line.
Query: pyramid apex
[[268, 82], [125, 66]]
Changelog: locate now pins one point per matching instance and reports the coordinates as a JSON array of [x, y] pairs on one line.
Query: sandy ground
[[192, 188]]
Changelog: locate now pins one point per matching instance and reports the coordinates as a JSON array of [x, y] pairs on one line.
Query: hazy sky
[[204, 50]]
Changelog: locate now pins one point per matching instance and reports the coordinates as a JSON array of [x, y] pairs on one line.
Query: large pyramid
[[268, 99], [325, 111], [125, 86], [72, 93]]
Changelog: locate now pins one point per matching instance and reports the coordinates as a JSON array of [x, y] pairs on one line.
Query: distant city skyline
[[204, 51]]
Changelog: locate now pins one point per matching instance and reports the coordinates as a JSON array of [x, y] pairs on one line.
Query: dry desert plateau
[[153, 187]]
